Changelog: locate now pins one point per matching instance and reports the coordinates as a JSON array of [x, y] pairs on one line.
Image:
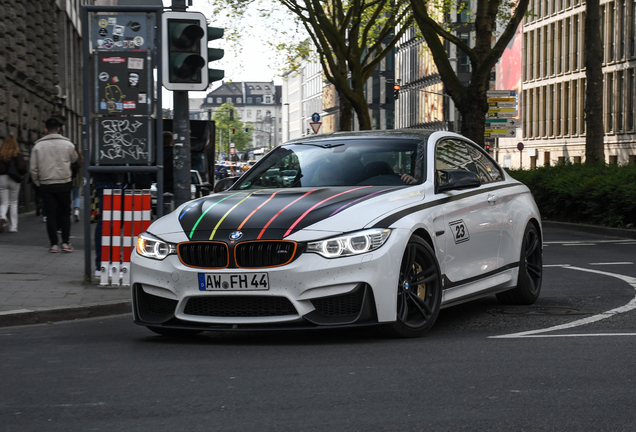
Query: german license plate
[[233, 282]]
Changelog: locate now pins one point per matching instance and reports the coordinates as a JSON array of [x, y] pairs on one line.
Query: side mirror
[[457, 179], [224, 184]]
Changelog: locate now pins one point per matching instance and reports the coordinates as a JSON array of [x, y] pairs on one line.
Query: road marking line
[[579, 244], [587, 241], [608, 314], [612, 263]]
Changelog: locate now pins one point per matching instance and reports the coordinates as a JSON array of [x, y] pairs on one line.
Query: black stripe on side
[[449, 284], [391, 219]]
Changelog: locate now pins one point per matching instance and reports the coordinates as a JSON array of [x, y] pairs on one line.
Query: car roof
[[419, 134]]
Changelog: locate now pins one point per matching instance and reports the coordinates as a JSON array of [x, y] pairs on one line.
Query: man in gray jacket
[[51, 160]]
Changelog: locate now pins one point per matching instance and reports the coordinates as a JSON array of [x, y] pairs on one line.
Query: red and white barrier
[[118, 239]]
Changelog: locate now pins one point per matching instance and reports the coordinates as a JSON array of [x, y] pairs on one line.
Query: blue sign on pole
[[315, 117]]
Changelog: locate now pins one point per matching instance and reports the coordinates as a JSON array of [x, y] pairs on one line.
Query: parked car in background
[[377, 228]]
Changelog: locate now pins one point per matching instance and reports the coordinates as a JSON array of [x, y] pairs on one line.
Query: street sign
[[492, 114], [501, 93], [500, 123], [502, 104], [315, 117], [520, 146], [315, 126], [500, 133], [504, 99]]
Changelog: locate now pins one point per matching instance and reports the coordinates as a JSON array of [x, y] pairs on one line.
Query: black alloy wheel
[[530, 271], [419, 291]]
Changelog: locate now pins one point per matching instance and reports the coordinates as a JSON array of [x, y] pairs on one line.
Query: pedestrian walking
[[12, 168], [50, 167]]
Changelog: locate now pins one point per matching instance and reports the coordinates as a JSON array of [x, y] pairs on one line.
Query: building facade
[[258, 104], [422, 102], [554, 82], [40, 73]]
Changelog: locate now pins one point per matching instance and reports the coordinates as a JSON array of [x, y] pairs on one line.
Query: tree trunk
[[346, 113], [594, 147], [473, 122]]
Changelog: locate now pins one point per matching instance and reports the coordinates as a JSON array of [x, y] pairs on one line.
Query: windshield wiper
[[326, 146]]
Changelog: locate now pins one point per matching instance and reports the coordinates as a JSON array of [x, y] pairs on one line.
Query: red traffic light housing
[[396, 91]]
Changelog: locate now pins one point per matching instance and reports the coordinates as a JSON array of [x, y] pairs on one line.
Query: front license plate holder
[[233, 281]]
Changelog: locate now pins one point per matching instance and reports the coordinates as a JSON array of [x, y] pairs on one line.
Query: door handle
[[492, 199]]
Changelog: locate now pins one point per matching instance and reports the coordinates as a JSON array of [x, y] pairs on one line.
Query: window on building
[[632, 159], [630, 100], [249, 100], [576, 159], [575, 44], [544, 114], [209, 100], [464, 14], [622, 9], [559, 47], [620, 96], [552, 48], [566, 45], [268, 99], [613, 159], [610, 102], [219, 100], [559, 113], [612, 38], [239, 100], [259, 100], [602, 24], [249, 113], [228, 100], [464, 61], [566, 108], [546, 158], [575, 107], [632, 31]]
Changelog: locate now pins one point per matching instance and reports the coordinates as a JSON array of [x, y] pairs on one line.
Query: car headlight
[[151, 247], [351, 244]]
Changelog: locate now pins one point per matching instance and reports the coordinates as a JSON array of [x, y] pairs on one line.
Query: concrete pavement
[[37, 286]]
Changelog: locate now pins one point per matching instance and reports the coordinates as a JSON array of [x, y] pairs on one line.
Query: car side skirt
[[490, 283]]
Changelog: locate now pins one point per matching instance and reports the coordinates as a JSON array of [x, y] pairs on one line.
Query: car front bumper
[[309, 292]]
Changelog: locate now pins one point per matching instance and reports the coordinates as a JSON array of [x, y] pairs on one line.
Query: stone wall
[[28, 68]]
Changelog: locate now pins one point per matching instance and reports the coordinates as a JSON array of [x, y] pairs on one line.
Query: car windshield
[[361, 162]]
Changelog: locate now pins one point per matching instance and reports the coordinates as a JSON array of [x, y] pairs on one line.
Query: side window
[[487, 170], [452, 155]]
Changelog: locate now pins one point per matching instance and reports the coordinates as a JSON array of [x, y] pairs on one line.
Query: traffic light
[[247, 131], [488, 148], [233, 130], [186, 53], [215, 54], [396, 91]]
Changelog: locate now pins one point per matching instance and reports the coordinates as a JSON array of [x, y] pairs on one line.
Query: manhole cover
[[538, 310]]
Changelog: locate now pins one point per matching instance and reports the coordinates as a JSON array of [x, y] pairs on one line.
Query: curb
[[591, 229], [63, 313]]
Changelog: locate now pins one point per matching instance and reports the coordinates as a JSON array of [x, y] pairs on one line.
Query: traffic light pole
[[181, 132], [181, 125]]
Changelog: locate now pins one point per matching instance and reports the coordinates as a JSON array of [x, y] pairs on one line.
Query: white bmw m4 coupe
[[347, 229]]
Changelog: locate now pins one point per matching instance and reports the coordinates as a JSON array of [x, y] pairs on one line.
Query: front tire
[[419, 291], [530, 271]]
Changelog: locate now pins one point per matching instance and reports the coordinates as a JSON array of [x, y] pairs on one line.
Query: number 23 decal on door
[[460, 231]]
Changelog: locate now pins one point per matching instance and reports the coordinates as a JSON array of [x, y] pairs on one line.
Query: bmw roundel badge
[[236, 235]]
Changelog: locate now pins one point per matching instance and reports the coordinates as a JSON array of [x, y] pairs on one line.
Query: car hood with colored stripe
[[274, 214]]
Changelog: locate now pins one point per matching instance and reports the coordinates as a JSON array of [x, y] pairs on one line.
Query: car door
[[472, 216]]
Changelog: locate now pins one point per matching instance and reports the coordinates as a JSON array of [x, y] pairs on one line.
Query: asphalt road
[[565, 364]]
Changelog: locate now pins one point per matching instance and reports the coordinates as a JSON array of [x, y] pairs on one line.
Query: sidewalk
[[37, 286]]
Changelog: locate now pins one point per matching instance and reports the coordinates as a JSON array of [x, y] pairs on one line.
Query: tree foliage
[[230, 130], [494, 24], [350, 37]]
